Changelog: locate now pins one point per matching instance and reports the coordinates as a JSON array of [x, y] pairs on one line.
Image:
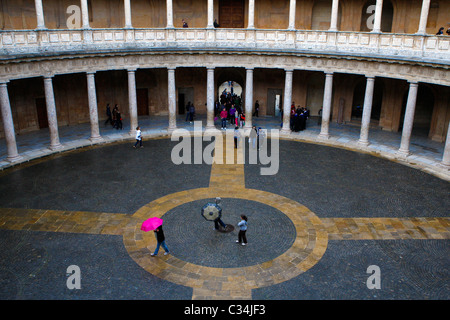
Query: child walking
[[138, 137], [242, 239]]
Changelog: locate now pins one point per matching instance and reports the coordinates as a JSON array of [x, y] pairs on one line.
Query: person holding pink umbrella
[[155, 224], [159, 233]]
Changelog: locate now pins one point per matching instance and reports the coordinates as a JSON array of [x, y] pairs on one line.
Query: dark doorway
[[181, 103], [41, 109], [185, 95], [274, 103], [231, 13], [142, 101]]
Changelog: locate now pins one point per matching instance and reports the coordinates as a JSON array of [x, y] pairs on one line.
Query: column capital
[[90, 72], [289, 70]]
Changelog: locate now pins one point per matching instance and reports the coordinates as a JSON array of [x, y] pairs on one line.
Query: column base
[[363, 143], [171, 129], [285, 132], [96, 139], [13, 159], [444, 166], [56, 147], [323, 136], [403, 153]]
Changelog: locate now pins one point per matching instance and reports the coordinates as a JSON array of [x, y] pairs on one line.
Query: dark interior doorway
[[274, 103], [231, 13], [41, 109], [142, 101]]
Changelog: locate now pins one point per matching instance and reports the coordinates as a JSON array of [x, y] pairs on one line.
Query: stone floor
[[87, 205], [315, 227], [425, 154]]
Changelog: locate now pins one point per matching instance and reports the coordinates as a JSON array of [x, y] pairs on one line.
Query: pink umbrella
[[151, 224]]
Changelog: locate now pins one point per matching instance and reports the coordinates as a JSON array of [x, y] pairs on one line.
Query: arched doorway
[[368, 15]]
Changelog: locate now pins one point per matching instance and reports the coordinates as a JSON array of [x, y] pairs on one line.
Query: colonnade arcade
[[293, 7], [211, 96]]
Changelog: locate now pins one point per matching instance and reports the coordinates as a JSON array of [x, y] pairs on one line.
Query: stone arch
[[229, 74]]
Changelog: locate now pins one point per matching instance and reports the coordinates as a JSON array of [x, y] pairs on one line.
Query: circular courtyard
[[319, 222]]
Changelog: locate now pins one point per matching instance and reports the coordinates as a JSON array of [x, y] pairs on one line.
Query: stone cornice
[[39, 66]]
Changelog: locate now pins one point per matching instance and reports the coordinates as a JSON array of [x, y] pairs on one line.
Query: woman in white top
[[242, 239]]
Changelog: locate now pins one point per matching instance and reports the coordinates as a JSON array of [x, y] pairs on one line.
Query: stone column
[[408, 120], [424, 17], [132, 100], [51, 114], [8, 124], [286, 129], [210, 99], [326, 108], [377, 20], [446, 157], [127, 9], [292, 5], [169, 12], [210, 14], [84, 14], [251, 20], [248, 98], [39, 14], [367, 111], [334, 15], [93, 110], [172, 100]]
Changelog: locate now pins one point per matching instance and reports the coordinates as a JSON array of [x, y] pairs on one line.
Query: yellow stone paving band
[[310, 244]]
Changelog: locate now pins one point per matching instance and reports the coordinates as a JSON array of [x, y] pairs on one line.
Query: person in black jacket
[[159, 234]]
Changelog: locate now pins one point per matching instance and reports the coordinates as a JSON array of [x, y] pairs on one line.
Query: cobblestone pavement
[[314, 228]]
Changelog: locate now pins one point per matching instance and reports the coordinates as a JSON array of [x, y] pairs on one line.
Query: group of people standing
[[229, 110], [299, 116], [114, 117]]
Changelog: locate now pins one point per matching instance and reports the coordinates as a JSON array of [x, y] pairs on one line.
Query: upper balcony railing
[[390, 46]]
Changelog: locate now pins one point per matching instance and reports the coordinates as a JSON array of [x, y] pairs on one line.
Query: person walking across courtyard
[[138, 138], [242, 238], [161, 239]]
